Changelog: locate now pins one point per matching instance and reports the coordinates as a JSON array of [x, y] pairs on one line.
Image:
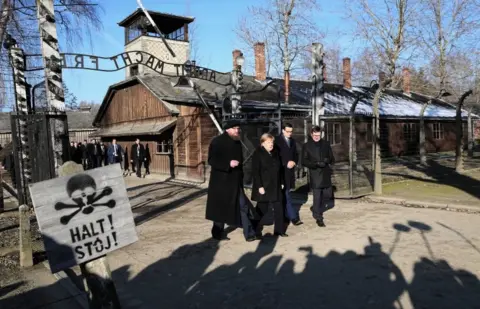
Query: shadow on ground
[[442, 174], [264, 278]]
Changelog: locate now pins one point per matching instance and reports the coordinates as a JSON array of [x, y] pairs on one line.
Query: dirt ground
[[370, 255]]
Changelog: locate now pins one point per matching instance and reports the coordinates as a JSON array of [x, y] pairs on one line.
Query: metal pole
[[53, 80]]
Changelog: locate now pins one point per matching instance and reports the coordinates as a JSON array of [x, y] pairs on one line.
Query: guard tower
[[141, 36]]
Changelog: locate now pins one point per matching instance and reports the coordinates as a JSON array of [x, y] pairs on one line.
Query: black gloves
[[323, 164]]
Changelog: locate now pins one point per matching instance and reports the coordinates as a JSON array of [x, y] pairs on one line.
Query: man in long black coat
[[137, 156], [317, 156], [289, 156], [226, 201]]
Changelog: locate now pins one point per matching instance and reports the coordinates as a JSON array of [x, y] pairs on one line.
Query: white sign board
[[83, 216]]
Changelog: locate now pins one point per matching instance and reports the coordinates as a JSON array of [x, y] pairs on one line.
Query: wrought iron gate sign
[[130, 58]]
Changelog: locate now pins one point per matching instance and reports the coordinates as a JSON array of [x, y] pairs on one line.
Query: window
[[164, 147], [134, 70], [333, 133], [410, 132], [369, 135], [437, 130]]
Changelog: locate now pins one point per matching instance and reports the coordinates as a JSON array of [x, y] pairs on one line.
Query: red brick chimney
[[235, 54], [406, 80], [260, 67], [347, 73]]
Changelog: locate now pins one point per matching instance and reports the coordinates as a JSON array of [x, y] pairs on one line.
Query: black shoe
[[258, 236], [251, 238], [320, 223], [220, 237], [297, 222], [281, 234]]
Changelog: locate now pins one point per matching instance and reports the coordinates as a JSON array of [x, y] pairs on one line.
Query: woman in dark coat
[[226, 201], [267, 185]]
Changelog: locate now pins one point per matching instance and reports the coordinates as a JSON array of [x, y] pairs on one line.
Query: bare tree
[[447, 28], [288, 30], [194, 41], [76, 21], [386, 26], [333, 64], [366, 66]]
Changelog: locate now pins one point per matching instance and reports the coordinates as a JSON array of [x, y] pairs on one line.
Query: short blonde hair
[[265, 137]]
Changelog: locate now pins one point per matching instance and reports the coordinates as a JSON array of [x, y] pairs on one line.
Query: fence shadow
[[265, 279], [193, 276]]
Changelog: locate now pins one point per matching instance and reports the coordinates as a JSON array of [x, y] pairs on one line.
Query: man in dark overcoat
[[289, 156], [137, 156], [226, 201], [317, 156]]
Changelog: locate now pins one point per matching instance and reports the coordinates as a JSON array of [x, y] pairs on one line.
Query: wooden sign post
[[82, 216]]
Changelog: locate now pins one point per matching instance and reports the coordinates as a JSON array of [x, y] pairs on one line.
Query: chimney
[[260, 67], [235, 54], [381, 77], [406, 80], [347, 73]]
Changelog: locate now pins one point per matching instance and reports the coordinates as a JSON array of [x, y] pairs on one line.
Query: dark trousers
[[292, 212], [99, 161], [138, 167], [279, 217], [147, 167], [322, 201], [248, 231]]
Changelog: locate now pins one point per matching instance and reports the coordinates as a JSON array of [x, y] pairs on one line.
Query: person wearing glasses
[[317, 156]]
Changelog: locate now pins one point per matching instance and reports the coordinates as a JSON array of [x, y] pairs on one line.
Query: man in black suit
[[137, 156], [289, 157], [114, 152]]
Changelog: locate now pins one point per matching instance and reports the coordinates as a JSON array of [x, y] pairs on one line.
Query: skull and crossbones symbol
[[82, 190]]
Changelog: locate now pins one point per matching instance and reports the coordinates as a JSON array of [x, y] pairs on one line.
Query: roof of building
[[393, 103], [167, 23], [77, 120], [259, 94], [170, 91]]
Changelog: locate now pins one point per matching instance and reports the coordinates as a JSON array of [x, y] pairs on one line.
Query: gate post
[[17, 59], [318, 90], [53, 80]]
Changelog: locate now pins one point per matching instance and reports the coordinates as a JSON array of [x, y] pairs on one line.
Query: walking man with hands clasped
[[318, 157]]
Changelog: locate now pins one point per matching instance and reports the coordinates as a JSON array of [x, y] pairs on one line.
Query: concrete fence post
[[26, 252]]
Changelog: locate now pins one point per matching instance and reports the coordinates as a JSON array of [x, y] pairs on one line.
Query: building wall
[[392, 139], [132, 104], [5, 138], [192, 137], [161, 163], [80, 135]]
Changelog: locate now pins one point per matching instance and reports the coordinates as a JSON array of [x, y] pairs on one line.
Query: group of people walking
[[97, 154], [273, 166]]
